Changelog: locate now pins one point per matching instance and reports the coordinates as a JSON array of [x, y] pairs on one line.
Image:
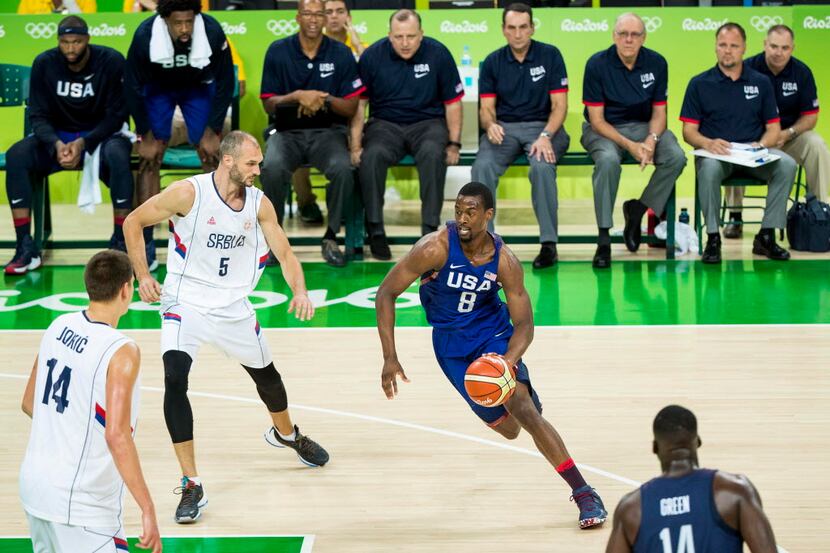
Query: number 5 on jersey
[[223, 265]]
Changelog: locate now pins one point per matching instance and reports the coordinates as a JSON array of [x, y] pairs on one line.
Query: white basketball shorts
[[235, 331]]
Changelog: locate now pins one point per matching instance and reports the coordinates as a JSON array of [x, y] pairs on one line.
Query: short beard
[[235, 175], [81, 56]]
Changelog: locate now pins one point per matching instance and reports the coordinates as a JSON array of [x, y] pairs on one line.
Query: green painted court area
[[571, 293], [223, 544]]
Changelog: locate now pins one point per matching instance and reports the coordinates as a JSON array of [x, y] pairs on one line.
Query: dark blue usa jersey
[[462, 300], [679, 514]]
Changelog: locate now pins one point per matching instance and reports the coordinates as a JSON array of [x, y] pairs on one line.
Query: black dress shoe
[[547, 256], [711, 253], [332, 254], [379, 247], [602, 257], [766, 246], [733, 229], [632, 234]]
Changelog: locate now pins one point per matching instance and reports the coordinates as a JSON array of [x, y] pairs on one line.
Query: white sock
[[290, 438], [195, 479]]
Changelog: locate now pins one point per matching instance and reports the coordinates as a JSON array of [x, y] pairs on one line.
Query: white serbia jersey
[[216, 255], [68, 475]]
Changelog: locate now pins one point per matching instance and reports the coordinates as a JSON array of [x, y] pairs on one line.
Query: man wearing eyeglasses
[[310, 90], [624, 92]]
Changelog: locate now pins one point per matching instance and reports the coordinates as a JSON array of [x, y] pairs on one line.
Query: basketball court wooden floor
[[744, 345]]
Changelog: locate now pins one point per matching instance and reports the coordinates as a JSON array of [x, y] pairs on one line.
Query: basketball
[[489, 380]]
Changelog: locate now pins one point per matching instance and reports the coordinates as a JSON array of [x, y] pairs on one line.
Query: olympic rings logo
[[41, 30], [280, 27], [652, 23], [764, 22]]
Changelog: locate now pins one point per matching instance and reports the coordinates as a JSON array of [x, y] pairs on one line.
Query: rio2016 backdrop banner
[[684, 36]]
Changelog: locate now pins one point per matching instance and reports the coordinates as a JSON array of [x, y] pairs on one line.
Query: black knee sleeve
[[177, 412], [270, 387]]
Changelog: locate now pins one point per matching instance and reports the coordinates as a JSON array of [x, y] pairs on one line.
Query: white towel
[[161, 44], [685, 237], [90, 193]]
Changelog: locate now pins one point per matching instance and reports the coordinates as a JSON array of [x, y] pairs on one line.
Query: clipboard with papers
[[745, 155]]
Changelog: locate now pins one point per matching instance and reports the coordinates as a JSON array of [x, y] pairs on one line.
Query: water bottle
[[684, 216], [467, 68]]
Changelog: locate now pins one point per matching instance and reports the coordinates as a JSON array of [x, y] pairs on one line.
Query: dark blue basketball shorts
[[455, 367], [195, 103]]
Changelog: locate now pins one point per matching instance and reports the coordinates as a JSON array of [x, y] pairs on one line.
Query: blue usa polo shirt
[[794, 86], [522, 89], [333, 70], [408, 91], [626, 96], [737, 111]]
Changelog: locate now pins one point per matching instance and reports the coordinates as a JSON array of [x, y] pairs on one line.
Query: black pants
[[384, 144], [324, 149], [32, 158]]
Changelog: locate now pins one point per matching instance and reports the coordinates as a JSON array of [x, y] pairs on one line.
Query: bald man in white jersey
[[83, 397], [221, 228]]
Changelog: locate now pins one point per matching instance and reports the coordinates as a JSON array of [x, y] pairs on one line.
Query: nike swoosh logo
[[538, 77], [89, 76], [790, 93], [17, 201], [419, 75], [648, 84], [457, 266], [324, 75], [499, 334], [751, 96], [121, 201]]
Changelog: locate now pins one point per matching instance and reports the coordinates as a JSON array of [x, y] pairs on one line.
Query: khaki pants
[[808, 150]]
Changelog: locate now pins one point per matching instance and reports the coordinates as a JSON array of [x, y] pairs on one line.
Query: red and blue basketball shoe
[[591, 510], [26, 258]]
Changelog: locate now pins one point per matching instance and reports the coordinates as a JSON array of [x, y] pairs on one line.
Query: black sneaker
[[116, 244], [309, 451], [26, 258], [711, 253], [547, 256], [192, 502], [766, 246], [379, 247], [310, 214]]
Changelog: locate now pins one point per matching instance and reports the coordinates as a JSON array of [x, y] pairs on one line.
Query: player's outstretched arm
[[626, 524], [429, 253], [122, 374], [511, 277], [176, 199], [300, 304], [28, 403], [739, 504]]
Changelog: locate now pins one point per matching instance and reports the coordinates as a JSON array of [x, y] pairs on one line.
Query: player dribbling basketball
[[462, 268]]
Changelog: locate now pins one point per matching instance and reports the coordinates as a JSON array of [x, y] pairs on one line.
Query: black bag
[[808, 225]]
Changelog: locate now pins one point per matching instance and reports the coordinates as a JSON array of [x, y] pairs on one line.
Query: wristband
[[454, 143]]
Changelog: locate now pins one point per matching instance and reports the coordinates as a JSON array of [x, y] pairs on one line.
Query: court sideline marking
[[392, 422]]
